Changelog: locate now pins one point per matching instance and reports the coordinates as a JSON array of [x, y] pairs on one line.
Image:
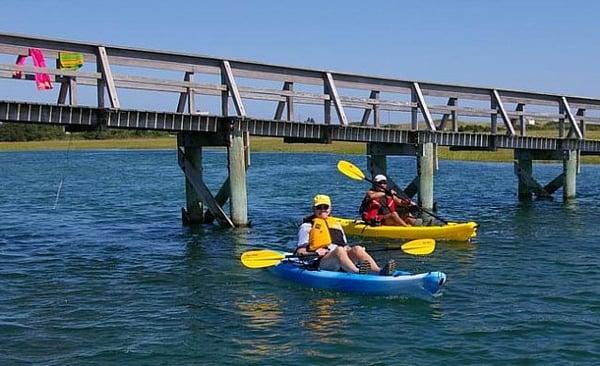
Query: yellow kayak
[[453, 231]]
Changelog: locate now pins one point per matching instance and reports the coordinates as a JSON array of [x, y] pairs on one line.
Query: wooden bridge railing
[[114, 64]]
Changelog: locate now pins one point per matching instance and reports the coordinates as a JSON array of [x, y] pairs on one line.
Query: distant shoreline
[[257, 144]]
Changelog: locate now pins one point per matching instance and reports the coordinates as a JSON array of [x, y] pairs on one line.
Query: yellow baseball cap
[[321, 199]]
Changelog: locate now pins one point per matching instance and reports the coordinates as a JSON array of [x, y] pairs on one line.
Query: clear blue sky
[[546, 46]]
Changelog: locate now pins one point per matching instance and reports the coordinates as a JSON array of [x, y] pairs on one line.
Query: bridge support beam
[[425, 169], [525, 163], [570, 173], [198, 195], [194, 209], [528, 186], [237, 178], [377, 164]]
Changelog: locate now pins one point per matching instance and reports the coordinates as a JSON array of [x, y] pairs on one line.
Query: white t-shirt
[[303, 234]]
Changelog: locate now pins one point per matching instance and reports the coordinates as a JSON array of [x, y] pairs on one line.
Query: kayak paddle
[[353, 172], [267, 258]]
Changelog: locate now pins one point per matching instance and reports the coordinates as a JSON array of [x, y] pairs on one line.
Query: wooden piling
[[193, 205], [237, 179], [570, 171], [425, 171], [525, 163], [193, 212]]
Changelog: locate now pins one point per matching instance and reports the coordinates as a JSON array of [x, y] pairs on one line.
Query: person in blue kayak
[[382, 206], [323, 235]]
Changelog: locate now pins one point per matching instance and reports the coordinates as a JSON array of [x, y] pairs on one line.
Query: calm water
[[111, 277]]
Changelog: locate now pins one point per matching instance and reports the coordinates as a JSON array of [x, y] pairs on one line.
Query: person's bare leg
[[338, 258], [358, 253], [393, 219], [410, 220]]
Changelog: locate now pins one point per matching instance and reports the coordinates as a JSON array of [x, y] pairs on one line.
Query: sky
[[545, 46]]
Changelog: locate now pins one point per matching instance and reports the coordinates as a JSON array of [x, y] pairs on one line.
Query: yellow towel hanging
[[70, 60]]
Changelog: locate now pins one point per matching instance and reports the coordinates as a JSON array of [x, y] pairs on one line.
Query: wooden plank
[[522, 122], [187, 97], [233, 89], [412, 188], [333, 93], [237, 164], [326, 105], [493, 116], [453, 113], [423, 106], [289, 100], [505, 118], [73, 91], [555, 184], [100, 86], [367, 113], [446, 116], [221, 198], [62, 93], [108, 77], [414, 110], [202, 190], [571, 118], [47, 70], [224, 97], [376, 115], [581, 118]]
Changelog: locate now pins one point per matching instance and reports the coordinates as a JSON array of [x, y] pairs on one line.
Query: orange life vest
[[324, 232]]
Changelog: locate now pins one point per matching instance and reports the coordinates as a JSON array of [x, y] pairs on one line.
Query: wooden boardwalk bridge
[[232, 84]]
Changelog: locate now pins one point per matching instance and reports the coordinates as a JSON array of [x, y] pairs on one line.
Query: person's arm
[[303, 235], [375, 194], [402, 201], [301, 251]]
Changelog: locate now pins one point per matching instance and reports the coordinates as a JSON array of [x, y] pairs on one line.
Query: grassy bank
[[258, 144]]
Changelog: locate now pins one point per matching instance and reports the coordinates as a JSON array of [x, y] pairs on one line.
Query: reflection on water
[[464, 253], [437, 313], [262, 319], [325, 321], [136, 281], [263, 314]]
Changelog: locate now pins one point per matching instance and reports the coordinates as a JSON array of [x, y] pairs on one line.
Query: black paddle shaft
[[311, 255], [405, 196]]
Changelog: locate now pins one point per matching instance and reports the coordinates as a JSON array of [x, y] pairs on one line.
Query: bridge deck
[[92, 117]]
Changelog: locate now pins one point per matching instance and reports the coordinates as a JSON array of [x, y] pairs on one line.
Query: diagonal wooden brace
[[203, 191], [412, 188], [531, 183], [222, 197]]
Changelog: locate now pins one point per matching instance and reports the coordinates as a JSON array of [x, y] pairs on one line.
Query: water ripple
[[111, 277]]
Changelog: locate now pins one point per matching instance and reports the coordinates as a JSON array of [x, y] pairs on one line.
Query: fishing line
[[62, 175]]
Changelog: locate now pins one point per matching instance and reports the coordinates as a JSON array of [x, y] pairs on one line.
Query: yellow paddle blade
[[419, 247], [261, 258], [350, 170]]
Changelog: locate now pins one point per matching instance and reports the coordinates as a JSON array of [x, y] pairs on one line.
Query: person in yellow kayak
[[383, 207], [321, 234]]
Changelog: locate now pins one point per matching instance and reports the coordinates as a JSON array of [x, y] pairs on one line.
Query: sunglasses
[[322, 207], [382, 182]]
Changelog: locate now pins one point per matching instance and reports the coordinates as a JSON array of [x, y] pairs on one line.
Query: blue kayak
[[404, 284]]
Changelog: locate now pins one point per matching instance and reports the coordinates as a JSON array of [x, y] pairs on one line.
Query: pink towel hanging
[[42, 79]]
